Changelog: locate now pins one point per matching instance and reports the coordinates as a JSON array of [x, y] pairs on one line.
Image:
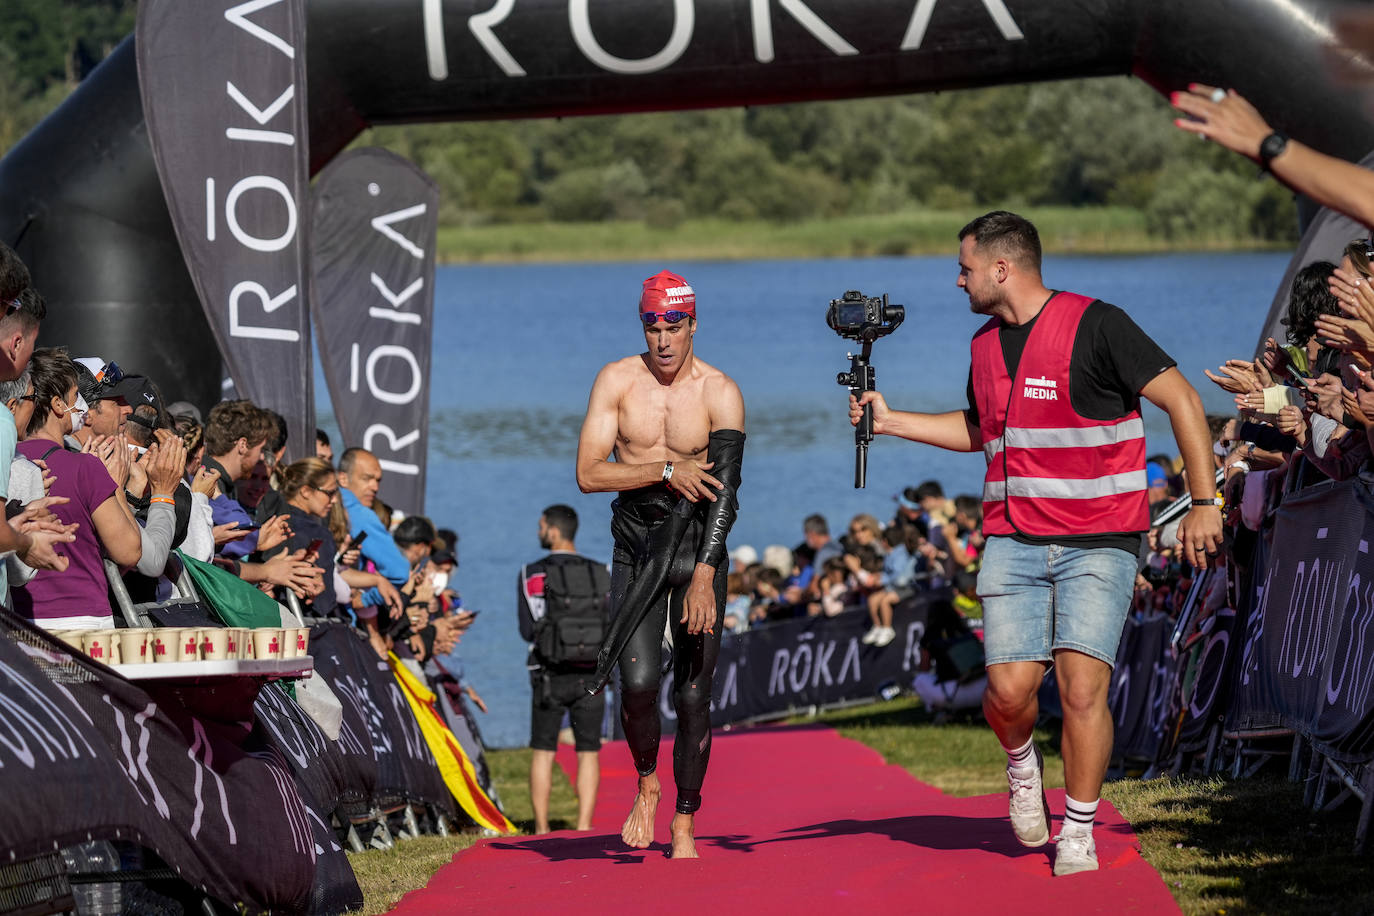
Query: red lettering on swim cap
[[666, 291]]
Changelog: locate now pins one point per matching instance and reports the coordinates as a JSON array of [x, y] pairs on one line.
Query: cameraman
[[1054, 397]]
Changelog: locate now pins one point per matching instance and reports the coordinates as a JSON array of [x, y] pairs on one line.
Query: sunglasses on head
[[672, 316], [13, 306]]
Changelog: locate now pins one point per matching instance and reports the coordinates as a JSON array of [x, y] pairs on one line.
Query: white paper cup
[[187, 647], [266, 643], [238, 642], [97, 644], [214, 643], [133, 647], [162, 645], [302, 641], [72, 638]]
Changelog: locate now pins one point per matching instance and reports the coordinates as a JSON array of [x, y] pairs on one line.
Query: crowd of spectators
[[930, 542], [106, 479]]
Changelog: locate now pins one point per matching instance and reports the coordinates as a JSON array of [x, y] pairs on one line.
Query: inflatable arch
[[81, 202]]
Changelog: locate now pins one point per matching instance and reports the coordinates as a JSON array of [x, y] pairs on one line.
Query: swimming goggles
[[672, 316]]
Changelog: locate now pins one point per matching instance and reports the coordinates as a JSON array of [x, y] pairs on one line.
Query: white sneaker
[[885, 636], [871, 636], [1030, 811], [1074, 853]]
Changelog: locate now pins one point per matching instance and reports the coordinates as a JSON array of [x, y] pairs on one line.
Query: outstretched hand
[[1223, 117]]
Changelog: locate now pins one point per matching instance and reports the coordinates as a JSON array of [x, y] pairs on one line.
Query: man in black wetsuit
[[668, 419]]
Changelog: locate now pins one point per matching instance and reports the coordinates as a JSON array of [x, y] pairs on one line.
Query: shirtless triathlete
[[669, 419]]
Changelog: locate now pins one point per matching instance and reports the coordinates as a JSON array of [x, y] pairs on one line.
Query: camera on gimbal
[[863, 318]]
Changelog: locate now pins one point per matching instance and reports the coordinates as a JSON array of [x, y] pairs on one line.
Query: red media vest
[[1052, 471]]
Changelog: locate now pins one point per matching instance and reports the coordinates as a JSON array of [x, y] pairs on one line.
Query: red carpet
[[795, 820]]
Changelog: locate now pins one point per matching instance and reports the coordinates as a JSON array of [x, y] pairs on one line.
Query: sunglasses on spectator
[[1368, 248], [12, 306], [28, 397], [672, 316], [331, 493]]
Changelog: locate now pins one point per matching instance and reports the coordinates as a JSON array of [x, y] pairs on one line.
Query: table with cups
[[194, 653]]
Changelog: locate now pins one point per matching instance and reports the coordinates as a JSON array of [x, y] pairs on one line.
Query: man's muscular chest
[[658, 423]]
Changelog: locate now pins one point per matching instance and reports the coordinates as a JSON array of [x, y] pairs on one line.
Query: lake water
[[516, 348]]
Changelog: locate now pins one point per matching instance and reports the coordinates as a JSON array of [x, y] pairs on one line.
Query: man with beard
[[667, 418], [1054, 404], [562, 611]]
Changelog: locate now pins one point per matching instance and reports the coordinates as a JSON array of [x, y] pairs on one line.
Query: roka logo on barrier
[[230, 141], [761, 18]]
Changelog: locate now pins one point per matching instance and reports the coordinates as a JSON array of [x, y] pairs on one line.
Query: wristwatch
[[1271, 147], [1210, 501], [667, 471]]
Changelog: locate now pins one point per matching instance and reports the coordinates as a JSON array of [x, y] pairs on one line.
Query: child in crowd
[[897, 584]]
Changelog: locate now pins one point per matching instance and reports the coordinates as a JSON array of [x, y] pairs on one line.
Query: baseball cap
[[1156, 475], [101, 380], [744, 555]]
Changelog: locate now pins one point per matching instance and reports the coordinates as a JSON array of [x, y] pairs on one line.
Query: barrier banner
[[1139, 696], [374, 219], [86, 753], [1292, 638], [807, 661], [1343, 723], [322, 778], [223, 89], [406, 769]]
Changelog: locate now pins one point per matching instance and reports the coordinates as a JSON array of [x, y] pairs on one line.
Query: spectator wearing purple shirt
[[77, 596]]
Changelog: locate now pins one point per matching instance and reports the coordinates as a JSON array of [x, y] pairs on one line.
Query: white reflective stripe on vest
[[1067, 436], [1060, 488]]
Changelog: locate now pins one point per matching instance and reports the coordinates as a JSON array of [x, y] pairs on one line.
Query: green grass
[[1222, 846], [1064, 230]]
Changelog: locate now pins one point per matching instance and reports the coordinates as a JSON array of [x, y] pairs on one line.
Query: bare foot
[[684, 843], [638, 831]]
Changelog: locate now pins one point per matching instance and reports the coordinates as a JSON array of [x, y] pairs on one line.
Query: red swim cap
[[667, 292]]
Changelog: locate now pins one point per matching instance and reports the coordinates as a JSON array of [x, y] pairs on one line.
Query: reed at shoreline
[[1063, 230]]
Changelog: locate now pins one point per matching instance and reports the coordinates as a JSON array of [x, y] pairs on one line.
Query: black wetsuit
[[659, 539]]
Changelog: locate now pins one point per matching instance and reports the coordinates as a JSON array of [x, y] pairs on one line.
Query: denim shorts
[[1041, 597]]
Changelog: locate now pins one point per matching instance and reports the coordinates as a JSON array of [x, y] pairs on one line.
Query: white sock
[[1021, 758], [1078, 817]]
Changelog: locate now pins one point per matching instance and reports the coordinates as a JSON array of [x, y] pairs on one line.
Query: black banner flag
[[223, 87], [372, 263]]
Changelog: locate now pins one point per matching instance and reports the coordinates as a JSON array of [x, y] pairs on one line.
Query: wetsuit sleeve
[[726, 452]]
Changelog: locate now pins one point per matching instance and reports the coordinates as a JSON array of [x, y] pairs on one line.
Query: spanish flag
[[454, 765]]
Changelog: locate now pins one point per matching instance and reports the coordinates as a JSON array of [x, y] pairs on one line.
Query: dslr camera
[[863, 318]]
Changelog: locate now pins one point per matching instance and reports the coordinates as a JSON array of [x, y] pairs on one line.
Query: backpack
[[574, 623]]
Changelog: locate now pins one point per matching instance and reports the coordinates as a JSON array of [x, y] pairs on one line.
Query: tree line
[[1093, 142]]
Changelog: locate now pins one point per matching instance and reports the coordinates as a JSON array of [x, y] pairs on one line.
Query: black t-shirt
[[1112, 360]]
